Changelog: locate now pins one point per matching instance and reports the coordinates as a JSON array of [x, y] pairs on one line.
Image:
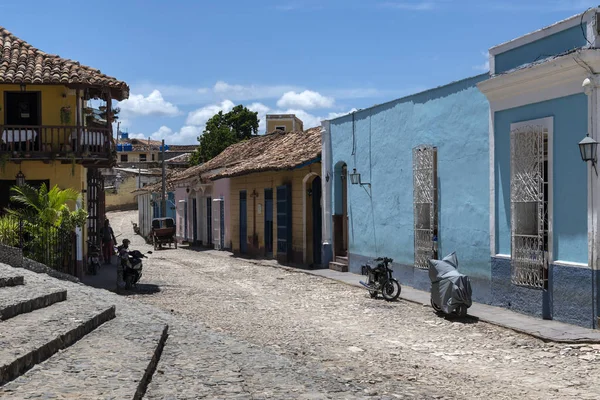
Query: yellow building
[[44, 135], [284, 123], [275, 196]]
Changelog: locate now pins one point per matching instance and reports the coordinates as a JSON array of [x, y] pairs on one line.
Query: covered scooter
[[450, 290]]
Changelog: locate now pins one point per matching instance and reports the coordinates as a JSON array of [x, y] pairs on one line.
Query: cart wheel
[[154, 242], [435, 307], [175, 243]]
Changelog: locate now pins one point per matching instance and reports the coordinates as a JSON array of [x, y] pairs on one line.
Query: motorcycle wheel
[[461, 311], [391, 290], [435, 307]]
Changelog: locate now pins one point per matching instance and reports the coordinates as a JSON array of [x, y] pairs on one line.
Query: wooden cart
[[163, 232]]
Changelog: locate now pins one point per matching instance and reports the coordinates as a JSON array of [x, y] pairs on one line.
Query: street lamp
[[588, 148], [20, 179], [355, 179]]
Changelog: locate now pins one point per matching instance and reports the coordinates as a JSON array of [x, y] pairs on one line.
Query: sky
[[185, 60]]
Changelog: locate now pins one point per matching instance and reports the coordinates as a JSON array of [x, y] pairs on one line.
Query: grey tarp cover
[[449, 288]]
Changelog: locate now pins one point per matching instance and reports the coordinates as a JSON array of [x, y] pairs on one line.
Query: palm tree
[[47, 222], [43, 205]]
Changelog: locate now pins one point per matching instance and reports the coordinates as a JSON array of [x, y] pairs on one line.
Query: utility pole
[[164, 182]]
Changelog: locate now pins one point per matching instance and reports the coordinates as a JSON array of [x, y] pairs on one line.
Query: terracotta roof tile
[[22, 63], [273, 152]]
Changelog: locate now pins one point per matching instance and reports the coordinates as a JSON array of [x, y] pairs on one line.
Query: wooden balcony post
[[78, 117], [109, 135]]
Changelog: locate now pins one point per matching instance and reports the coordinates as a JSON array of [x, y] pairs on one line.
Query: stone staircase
[[58, 340], [340, 264]]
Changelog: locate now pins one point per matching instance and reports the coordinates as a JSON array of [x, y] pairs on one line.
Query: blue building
[[543, 200], [488, 167]]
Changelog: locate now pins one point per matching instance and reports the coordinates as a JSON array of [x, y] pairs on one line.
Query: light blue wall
[[570, 174], [549, 46], [455, 118]]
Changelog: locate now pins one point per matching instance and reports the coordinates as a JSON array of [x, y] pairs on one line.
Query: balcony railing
[[44, 141]]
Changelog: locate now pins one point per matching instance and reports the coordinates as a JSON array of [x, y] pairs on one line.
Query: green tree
[[223, 130]]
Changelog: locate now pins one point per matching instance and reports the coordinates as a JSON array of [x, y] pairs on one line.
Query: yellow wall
[[58, 174], [124, 196], [273, 124], [266, 180], [134, 156], [52, 101]]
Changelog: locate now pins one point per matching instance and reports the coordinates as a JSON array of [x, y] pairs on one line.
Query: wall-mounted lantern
[[588, 148], [23, 87], [20, 179], [355, 179]]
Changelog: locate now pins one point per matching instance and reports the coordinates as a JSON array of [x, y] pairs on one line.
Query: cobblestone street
[[289, 332]]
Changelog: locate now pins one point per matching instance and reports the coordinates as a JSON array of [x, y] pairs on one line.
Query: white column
[[327, 179]]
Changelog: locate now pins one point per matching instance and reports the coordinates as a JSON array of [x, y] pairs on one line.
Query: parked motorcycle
[[131, 262], [93, 257], [380, 280], [450, 290]]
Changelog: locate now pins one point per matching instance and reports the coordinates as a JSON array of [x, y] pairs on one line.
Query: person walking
[[108, 240]]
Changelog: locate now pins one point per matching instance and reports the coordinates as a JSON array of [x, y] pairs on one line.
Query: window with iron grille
[[142, 157], [529, 202], [425, 204], [123, 157]]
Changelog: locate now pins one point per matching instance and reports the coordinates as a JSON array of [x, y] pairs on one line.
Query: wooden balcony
[[83, 144]]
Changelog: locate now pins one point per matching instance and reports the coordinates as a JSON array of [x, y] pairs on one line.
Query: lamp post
[[20, 179], [588, 148]]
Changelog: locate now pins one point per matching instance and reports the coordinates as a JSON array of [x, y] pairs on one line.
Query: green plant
[[9, 230], [65, 115], [3, 160]]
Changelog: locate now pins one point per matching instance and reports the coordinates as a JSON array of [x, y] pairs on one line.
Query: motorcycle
[[131, 262], [380, 280], [93, 257]]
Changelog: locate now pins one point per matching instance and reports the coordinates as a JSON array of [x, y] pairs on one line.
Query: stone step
[[22, 299], [336, 266], [29, 339], [9, 278], [341, 260], [115, 361]]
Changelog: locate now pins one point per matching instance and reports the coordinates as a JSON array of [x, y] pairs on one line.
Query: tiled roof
[[273, 152], [180, 159], [182, 147], [22, 63]]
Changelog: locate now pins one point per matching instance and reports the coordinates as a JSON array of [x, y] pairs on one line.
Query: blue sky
[[185, 60]]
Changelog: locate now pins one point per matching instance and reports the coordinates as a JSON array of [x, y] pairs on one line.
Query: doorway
[[268, 222], [209, 232], [243, 222], [194, 221], [317, 217]]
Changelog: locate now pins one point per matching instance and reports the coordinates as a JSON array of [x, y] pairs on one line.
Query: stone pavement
[[547, 330]]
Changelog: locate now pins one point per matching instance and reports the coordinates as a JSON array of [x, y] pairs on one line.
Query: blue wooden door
[[156, 207], [284, 222], [195, 220], [269, 222], [171, 205], [316, 208], [243, 223], [209, 233]]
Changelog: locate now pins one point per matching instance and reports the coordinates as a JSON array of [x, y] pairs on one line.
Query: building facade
[[543, 200], [44, 135]]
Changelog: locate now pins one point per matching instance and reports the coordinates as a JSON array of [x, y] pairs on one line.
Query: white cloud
[[154, 104], [262, 111], [136, 136], [306, 100], [250, 92], [334, 115], [200, 116], [484, 67]]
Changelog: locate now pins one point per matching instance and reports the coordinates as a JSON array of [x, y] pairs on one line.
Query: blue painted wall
[[455, 118], [570, 174], [557, 43]]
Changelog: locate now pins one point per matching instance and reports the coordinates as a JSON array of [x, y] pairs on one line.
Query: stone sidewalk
[[546, 330]]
